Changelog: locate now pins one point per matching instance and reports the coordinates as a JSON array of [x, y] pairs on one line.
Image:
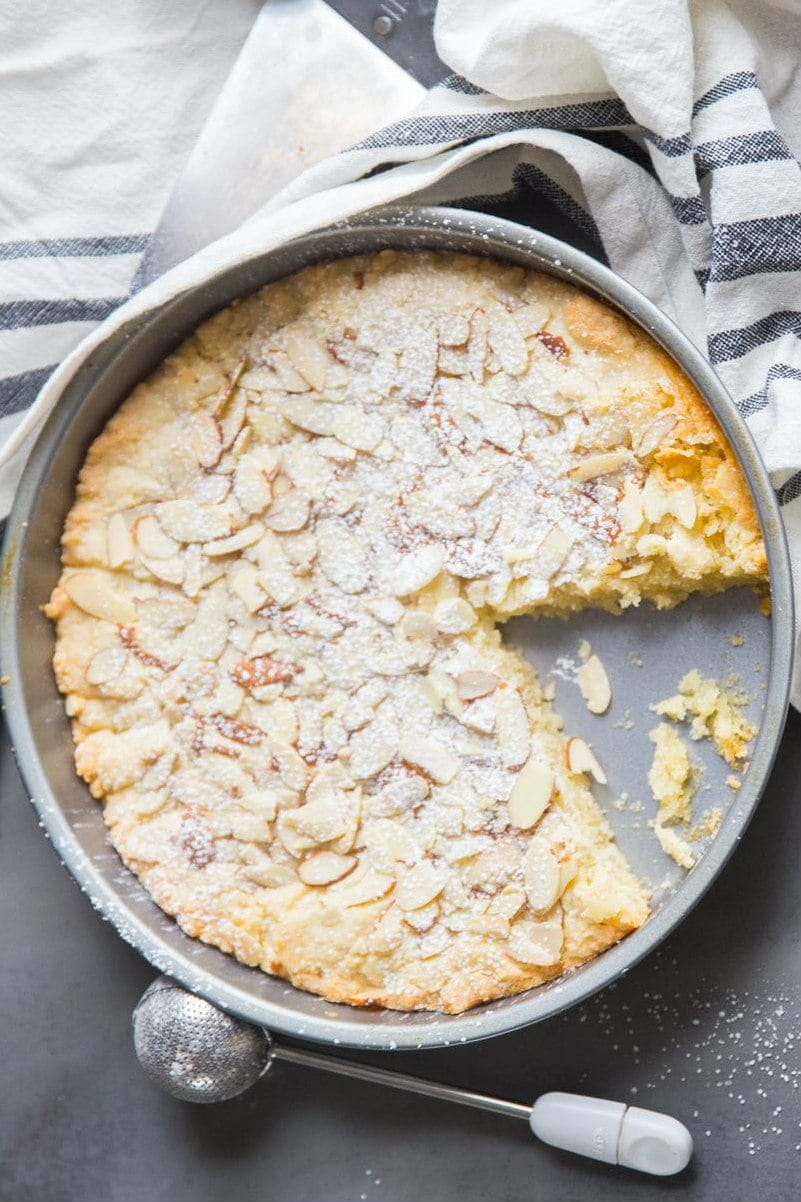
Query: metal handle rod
[[379, 1076]]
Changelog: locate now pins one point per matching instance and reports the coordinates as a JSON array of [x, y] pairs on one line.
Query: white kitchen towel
[[669, 131]]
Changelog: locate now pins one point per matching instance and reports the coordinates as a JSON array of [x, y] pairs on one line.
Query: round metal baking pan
[[40, 730]]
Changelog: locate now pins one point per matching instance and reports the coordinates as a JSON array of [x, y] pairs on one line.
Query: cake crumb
[[673, 845], [734, 783], [714, 712], [626, 722], [737, 640], [673, 777], [584, 651], [708, 825]]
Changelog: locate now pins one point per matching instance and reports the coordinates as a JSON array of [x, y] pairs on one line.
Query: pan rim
[[499, 238]]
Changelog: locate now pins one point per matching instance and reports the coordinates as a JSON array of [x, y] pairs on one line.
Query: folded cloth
[[99, 107], [667, 131]]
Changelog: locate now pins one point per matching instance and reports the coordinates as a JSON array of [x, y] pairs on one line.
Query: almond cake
[[283, 576]]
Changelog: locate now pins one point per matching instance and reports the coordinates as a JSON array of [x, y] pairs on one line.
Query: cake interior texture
[[278, 622]]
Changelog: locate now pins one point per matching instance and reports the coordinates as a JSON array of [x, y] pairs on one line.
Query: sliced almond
[[652, 437], [433, 757], [419, 625], [508, 903], [93, 592], [508, 343], [206, 439], [422, 919], [342, 557], [152, 541], [233, 418], [594, 684], [119, 544], [454, 616], [308, 356], [541, 875], [370, 886], [513, 555], [477, 345], [479, 715], [356, 428], [288, 512], [537, 943], [262, 671], [279, 582], [551, 554], [454, 329], [211, 489], [637, 569], [513, 729], [629, 510], [106, 665], [531, 794], [251, 486], [315, 416], [580, 758], [418, 362], [568, 872], [470, 685], [609, 431], [332, 448], [452, 362], [388, 933], [245, 585], [499, 423], [302, 828], [552, 403], [245, 537], [242, 441], [417, 569], [207, 635], [193, 570], [171, 571], [260, 869], [325, 868], [602, 464], [386, 842], [190, 523], [329, 780], [285, 375], [418, 886], [388, 610], [371, 749], [293, 770]]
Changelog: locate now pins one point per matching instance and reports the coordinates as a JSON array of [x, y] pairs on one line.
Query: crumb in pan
[[715, 712]]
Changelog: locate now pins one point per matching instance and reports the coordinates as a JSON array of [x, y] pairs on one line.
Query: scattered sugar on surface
[[744, 1043]]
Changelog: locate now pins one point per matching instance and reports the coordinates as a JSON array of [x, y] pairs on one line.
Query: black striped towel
[[673, 152]]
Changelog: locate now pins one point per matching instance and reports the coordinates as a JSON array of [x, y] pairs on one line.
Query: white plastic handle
[[613, 1132]]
